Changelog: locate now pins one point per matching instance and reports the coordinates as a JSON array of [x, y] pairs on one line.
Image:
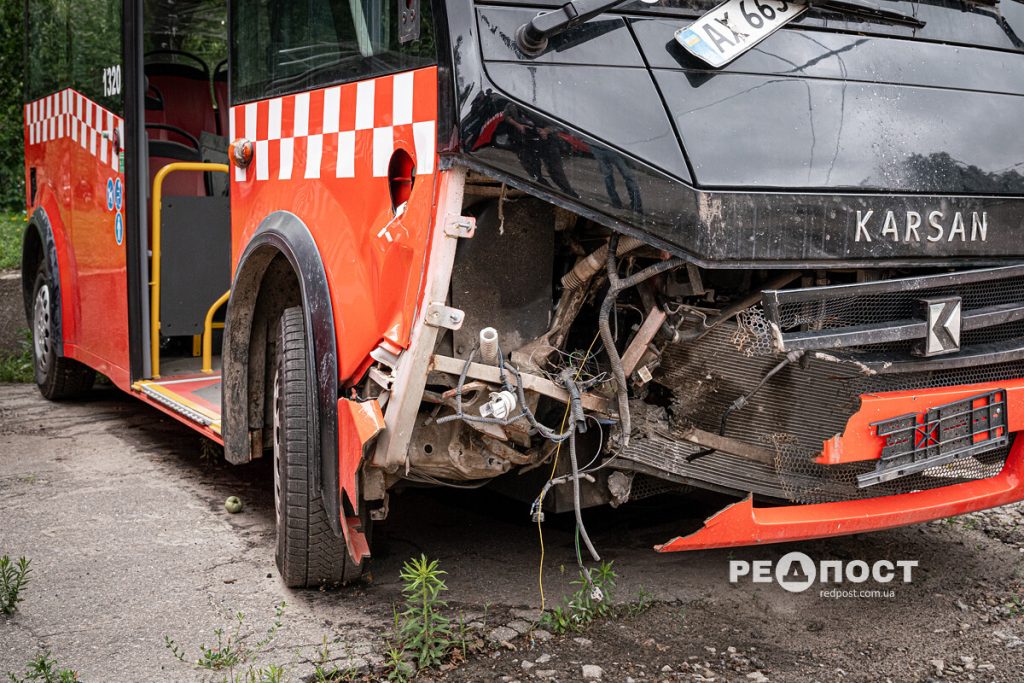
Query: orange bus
[[580, 253]]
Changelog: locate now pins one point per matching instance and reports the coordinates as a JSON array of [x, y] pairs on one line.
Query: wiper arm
[[866, 10], [532, 37]]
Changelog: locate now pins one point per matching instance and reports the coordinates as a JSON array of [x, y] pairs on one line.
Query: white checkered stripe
[[318, 134], [70, 114]]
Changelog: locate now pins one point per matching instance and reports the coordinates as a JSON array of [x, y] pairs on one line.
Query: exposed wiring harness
[[577, 423], [615, 286]]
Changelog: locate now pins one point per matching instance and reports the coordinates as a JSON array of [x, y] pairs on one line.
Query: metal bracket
[[408, 21], [439, 315], [460, 226]]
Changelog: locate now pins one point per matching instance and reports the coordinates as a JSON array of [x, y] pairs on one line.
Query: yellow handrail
[[154, 283], [208, 332]]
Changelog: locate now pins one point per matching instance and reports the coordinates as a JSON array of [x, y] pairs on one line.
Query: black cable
[[616, 285], [742, 401]]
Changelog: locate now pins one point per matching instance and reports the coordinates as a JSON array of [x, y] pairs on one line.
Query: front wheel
[[308, 553], [57, 377]]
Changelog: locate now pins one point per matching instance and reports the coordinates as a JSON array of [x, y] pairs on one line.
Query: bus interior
[[187, 228]]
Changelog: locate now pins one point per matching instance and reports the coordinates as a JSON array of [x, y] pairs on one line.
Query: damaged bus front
[[767, 249]]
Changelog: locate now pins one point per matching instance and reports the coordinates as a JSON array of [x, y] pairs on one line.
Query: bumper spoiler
[[743, 524]]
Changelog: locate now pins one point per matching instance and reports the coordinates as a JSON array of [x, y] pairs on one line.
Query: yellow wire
[[554, 466]]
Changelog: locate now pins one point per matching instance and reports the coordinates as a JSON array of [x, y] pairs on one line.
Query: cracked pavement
[[123, 518]]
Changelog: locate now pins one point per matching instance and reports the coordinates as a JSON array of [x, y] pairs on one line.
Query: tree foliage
[[12, 173]]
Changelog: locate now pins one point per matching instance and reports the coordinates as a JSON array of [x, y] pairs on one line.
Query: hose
[[586, 267]]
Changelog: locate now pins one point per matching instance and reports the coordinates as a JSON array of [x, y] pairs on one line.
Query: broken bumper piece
[[744, 524]]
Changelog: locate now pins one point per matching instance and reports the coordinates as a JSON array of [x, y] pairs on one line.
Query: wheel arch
[[38, 244], [281, 243]]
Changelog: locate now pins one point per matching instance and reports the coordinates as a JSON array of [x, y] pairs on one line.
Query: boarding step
[[196, 397]]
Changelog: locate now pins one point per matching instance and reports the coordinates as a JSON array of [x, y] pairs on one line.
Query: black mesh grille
[[792, 415], [839, 482], [834, 309]]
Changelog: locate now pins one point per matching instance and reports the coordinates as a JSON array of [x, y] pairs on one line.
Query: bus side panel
[[324, 155], [90, 194], [98, 239], [48, 159]]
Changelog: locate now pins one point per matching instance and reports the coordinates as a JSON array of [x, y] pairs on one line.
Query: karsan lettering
[[914, 226]]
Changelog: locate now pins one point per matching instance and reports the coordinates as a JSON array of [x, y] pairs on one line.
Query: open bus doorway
[[187, 228]]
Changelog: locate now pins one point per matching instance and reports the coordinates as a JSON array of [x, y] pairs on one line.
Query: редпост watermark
[[796, 572]]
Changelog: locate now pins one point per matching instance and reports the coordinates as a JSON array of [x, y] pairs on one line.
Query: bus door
[[184, 66], [96, 109], [74, 135]]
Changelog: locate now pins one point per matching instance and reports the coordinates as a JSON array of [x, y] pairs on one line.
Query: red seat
[[187, 101]]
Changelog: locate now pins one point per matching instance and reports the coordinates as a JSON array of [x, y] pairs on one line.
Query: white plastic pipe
[[489, 345]]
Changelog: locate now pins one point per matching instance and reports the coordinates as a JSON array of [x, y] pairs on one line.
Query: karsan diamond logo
[[796, 572]]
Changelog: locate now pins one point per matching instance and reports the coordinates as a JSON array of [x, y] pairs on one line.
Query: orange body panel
[[359, 423], [744, 524], [323, 156], [69, 143]]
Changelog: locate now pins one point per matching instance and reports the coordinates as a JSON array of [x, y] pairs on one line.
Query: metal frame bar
[[154, 283], [911, 284], [899, 330], [208, 326], [411, 375], [895, 363]]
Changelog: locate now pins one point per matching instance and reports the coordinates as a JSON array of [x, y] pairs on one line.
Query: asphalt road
[[121, 511]]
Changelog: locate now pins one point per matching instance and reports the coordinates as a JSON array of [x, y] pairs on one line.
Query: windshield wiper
[[866, 10], [532, 37]]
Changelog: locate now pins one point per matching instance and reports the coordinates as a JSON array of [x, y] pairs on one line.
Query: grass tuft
[[12, 227], [19, 367]]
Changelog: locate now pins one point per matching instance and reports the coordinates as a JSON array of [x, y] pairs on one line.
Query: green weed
[[19, 367], [644, 601], [325, 672], [591, 600], [234, 650], [44, 670], [12, 227], [396, 666], [424, 632], [13, 578]]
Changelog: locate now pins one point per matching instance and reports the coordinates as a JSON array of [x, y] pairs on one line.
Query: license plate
[[732, 28]]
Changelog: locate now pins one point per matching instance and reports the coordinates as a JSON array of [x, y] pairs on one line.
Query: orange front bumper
[[743, 524]]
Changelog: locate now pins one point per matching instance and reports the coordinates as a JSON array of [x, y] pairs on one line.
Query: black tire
[[308, 553], [57, 377]]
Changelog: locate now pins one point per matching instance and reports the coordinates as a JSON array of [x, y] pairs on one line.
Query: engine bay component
[[500, 406], [489, 345], [587, 267]]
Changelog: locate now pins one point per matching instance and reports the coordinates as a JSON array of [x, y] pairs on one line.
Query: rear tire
[[57, 377], [308, 553]]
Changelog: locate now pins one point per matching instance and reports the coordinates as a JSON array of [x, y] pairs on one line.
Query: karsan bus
[[583, 255]]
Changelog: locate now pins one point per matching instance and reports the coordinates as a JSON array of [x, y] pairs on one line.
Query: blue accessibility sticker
[[119, 228], [110, 194], [118, 194]]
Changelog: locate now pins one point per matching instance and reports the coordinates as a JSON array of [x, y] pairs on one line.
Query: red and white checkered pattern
[[70, 114], [326, 133]]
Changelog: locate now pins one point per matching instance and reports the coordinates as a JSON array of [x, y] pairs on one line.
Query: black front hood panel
[[816, 147]]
